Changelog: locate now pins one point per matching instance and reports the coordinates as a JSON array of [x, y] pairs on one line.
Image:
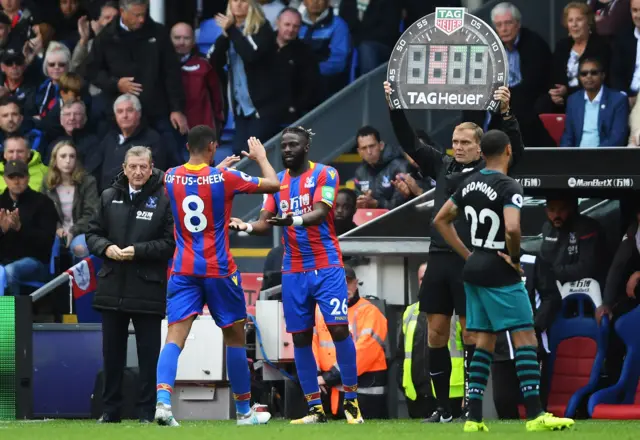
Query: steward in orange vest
[[368, 328]]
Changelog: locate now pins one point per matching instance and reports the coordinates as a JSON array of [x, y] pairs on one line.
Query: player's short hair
[[493, 143], [368, 130], [306, 133], [477, 130], [200, 137], [353, 196]]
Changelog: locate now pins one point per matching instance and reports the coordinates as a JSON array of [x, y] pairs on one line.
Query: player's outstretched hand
[[503, 94], [286, 220], [256, 149], [228, 161], [516, 267], [387, 91], [237, 224]]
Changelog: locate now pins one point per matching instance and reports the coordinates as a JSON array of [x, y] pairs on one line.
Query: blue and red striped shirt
[[201, 197], [311, 247]]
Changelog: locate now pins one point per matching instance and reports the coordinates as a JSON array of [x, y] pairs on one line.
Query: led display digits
[[455, 65]]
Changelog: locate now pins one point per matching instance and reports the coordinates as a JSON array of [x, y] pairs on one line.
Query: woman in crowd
[[75, 195], [56, 64], [247, 46], [582, 42]]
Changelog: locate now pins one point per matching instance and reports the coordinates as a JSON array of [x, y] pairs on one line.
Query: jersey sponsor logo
[[483, 188], [152, 202], [517, 200], [300, 204], [332, 173], [234, 279], [600, 183], [195, 180], [245, 177], [310, 182], [328, 193], [144, 215]]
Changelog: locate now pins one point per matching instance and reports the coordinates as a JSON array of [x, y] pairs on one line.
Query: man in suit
[[625, 75], [596, 116]]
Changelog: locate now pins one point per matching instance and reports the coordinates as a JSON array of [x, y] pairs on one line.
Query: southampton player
[[442, 291], [496, 296], [312, 270], [203, 269]]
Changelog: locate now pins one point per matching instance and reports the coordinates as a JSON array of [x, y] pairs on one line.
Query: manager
[[133, 233]]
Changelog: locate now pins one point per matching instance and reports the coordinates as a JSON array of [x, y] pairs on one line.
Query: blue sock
[[307, 369], [166, 372], [240, 378], [346, 357]]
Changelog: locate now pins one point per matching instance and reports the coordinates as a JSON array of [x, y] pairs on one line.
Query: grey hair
[[56, 47], [128, 97], [124, 4], [506, 8], [138, 151]]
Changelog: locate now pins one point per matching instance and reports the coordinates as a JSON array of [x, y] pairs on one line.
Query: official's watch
[[506, 114], [515, 260]]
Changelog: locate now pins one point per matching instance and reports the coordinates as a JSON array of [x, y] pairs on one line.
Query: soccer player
[[496, 296], [203, 269], [312, 270]]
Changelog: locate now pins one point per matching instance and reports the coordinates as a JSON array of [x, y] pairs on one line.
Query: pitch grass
[[281, 430]]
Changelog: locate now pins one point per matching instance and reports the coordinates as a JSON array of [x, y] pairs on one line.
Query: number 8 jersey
[[201, 198], [482, 199]]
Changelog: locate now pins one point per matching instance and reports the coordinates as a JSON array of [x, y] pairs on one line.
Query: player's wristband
[[297, 220], [515, 260], [249, 229]]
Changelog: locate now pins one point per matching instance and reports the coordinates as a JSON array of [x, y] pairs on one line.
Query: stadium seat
[[55, 253], [362, 215], [622, 400], [554, 124], [251, 284], [208, 33], [577, 348]]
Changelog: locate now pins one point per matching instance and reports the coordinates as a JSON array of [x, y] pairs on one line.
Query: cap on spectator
[[4, 19], [16, 168], [11, 55]]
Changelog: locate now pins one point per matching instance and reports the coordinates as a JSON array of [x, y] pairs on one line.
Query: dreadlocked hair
[[307, 133]]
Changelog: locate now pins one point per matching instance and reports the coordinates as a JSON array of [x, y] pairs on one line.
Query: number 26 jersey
[[201, 198], [481, 199]]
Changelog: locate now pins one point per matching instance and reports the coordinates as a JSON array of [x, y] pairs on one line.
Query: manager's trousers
[[115, 333]]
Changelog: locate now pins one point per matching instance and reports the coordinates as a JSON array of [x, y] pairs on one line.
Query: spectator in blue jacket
[[330, 40], [596, 116]]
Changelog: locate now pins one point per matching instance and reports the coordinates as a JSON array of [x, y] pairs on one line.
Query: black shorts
[[442, 289]]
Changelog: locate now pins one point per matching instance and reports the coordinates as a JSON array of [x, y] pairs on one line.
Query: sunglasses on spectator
[[593, 72], [57, 64]]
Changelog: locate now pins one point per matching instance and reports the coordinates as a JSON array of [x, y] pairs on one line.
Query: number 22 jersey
[[481, 199], [201, 198], [311, 247]]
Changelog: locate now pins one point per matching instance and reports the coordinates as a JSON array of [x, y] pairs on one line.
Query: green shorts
[[496, 309]]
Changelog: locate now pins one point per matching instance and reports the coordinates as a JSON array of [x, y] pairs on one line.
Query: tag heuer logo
[[449, 20]]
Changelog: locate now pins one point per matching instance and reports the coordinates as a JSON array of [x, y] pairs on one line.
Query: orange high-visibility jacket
[[368, 327]]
